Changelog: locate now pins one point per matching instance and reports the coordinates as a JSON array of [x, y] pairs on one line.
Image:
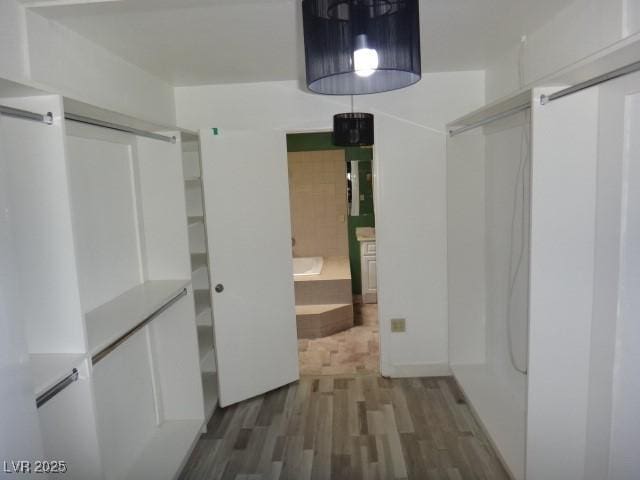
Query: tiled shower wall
[[318, 193]]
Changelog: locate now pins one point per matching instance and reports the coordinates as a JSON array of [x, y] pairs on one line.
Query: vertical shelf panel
[[163, 206], [200, 271], [125, 405], [42, 226]]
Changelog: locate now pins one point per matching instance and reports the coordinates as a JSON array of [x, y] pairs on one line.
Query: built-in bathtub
[[305, 266], [324, 303]]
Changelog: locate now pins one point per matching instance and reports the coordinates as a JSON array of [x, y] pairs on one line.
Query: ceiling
[[195, 42]]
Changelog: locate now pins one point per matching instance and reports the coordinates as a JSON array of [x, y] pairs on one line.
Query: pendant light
[[353, 129], [355, 47]]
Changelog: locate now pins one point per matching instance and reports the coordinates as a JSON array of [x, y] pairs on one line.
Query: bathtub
[[303, 266]]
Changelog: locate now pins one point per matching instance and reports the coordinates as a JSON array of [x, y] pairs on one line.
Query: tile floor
[[353, 351]]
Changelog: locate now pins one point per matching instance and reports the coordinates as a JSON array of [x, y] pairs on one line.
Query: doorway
[[333, 250]]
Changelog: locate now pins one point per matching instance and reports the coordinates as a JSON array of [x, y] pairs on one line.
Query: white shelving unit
[[200, 275], [104, 268]]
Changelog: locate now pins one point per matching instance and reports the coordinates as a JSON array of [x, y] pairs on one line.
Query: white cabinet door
[[246, 193], [368, 272], [372, 281]]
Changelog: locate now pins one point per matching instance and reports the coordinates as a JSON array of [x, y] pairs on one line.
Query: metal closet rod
[[120, 128], [47, 118], [491, 119], [123, 338], [57, 388], [18, 113], [605, 77], [545, 99]]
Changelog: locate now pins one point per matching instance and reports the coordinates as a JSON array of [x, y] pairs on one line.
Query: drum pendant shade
[[353, 129], [356, 47]]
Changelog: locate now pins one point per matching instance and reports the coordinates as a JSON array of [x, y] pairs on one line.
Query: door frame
[[376, 203]]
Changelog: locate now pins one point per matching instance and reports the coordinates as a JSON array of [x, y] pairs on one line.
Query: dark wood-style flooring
[[353, 427]]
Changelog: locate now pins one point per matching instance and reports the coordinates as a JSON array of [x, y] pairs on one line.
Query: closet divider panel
[[173, 336], [42, 228], [563, 226], [163, 206], [125, 404]]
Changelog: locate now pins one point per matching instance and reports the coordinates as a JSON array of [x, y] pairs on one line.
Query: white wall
[[410, 174], [13, 59], [466, 248], [582, 29], [488, 220], [507, 149], [41, 51]]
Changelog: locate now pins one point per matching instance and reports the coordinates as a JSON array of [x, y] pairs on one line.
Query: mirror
[[360, 188]]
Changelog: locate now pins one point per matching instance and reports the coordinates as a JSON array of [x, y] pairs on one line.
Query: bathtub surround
[[318, 196], [324, 304]]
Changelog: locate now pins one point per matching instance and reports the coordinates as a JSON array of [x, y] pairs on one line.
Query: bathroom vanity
[[367, 238]]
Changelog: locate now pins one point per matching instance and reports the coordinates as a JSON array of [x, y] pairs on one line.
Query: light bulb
[[365, 60]]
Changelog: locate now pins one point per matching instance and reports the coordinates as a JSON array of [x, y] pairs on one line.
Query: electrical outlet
[[398, 325]]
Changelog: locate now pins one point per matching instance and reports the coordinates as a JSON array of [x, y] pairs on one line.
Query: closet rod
[[17, 113], [114, 126], [612, 75], [57, 388], [112, 346], [491, 119]]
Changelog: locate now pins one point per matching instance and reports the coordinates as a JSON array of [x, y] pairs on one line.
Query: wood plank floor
[[347, 427]]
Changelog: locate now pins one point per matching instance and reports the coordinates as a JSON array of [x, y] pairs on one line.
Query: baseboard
[[416, 370]]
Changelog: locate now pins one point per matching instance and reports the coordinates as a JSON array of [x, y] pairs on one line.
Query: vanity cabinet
[[368, 271]]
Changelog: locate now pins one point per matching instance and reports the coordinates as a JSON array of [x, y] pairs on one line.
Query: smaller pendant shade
[[353, 129], [355, 47]]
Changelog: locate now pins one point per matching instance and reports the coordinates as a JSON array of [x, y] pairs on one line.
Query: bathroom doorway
[[334, 255]]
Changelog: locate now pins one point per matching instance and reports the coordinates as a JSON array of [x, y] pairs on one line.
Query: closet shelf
[[205, 347], [193, 221], [110, 321], [167, 450], [203, 307], [204, 318], [198, 260], [210, 388], [47, 369]]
